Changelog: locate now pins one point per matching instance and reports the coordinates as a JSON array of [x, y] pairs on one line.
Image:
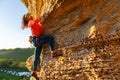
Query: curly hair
[[25, 20]]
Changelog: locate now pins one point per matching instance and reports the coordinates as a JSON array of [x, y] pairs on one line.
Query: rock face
[[87, 32]]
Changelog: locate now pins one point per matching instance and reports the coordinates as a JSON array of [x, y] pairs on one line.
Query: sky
[[11, 34]]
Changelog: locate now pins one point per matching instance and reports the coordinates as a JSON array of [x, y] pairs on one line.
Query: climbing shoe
[[34, 74], [56, 54]]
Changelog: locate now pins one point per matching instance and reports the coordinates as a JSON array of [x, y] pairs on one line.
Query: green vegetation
[[4, 76], [14, 59], [17, 54]]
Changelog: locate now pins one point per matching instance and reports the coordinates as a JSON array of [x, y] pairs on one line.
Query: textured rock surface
[[87, 32]]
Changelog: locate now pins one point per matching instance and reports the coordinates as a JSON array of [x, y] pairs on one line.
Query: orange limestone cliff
[[87, 32]]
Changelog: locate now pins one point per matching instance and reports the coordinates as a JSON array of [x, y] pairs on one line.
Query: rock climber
[[37, 38]]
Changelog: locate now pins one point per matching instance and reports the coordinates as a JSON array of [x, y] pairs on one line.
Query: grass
[[4, 76]]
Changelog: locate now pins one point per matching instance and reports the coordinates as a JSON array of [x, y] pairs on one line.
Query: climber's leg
[[37, 53], [50, 40]]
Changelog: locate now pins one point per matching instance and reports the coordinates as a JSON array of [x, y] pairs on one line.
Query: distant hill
[[17, 54]]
